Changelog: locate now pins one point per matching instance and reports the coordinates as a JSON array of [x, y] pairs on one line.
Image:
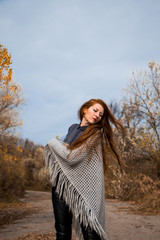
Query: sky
[[65, 52]]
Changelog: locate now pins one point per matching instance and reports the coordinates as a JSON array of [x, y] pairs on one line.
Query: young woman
[[77, 172]]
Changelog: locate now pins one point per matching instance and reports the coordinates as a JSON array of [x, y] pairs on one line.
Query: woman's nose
[[97, 115]]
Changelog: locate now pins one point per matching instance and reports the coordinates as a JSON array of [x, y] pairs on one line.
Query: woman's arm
[[57, 149]]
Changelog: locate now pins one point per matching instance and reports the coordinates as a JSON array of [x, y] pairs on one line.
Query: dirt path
[[121, 225]]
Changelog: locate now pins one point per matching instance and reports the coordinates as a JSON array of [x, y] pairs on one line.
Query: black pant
[[63, 221]]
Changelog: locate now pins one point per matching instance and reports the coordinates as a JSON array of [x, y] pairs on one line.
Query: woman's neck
[[84, 122]]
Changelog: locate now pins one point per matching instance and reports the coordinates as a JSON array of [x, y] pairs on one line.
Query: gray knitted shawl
[[81, 183]]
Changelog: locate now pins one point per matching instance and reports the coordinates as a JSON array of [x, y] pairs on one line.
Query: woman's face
[[92, 114]]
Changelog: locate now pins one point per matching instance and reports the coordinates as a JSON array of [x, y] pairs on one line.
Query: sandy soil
[[121, 223]]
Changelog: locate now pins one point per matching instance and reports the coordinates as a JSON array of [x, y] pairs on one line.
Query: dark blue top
[[74, 132]]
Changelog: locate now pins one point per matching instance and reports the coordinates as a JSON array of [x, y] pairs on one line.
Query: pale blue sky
[[65, 52]]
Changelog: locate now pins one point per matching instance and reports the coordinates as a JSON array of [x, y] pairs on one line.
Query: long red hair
[[100, 131]]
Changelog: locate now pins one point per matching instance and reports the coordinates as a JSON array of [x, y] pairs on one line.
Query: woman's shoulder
[[75, 125], [71, 130]]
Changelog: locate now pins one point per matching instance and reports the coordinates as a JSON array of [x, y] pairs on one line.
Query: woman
[[77, 172]]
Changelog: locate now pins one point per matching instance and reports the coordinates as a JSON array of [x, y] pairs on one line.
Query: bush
[[29, 166], [36, 175], [41, 177], [139, 182], [11, 172], [140, 189]]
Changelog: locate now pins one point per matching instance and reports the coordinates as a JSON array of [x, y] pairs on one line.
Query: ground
[[35, 221]]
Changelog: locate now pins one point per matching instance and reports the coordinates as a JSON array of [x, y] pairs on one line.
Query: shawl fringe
[[80, 211]]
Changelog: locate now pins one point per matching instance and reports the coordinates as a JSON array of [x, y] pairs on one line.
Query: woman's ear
[[84, 110]]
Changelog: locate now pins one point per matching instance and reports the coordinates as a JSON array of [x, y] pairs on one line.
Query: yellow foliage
[[11, 96], [12, 169]]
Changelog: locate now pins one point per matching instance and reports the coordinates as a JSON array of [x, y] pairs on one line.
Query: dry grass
[[140, 190]]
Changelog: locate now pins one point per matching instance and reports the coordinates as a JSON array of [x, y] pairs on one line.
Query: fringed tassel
[[81, 212]]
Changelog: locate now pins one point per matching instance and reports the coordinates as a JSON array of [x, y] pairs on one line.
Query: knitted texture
[[81, 183]]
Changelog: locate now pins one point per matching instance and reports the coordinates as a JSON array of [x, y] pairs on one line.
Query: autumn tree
[[140, 106], [115, 108], [141, 110], [11, 96], [139, 147]]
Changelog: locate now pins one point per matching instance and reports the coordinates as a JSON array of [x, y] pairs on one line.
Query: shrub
[[36, 175], [11, 172]]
